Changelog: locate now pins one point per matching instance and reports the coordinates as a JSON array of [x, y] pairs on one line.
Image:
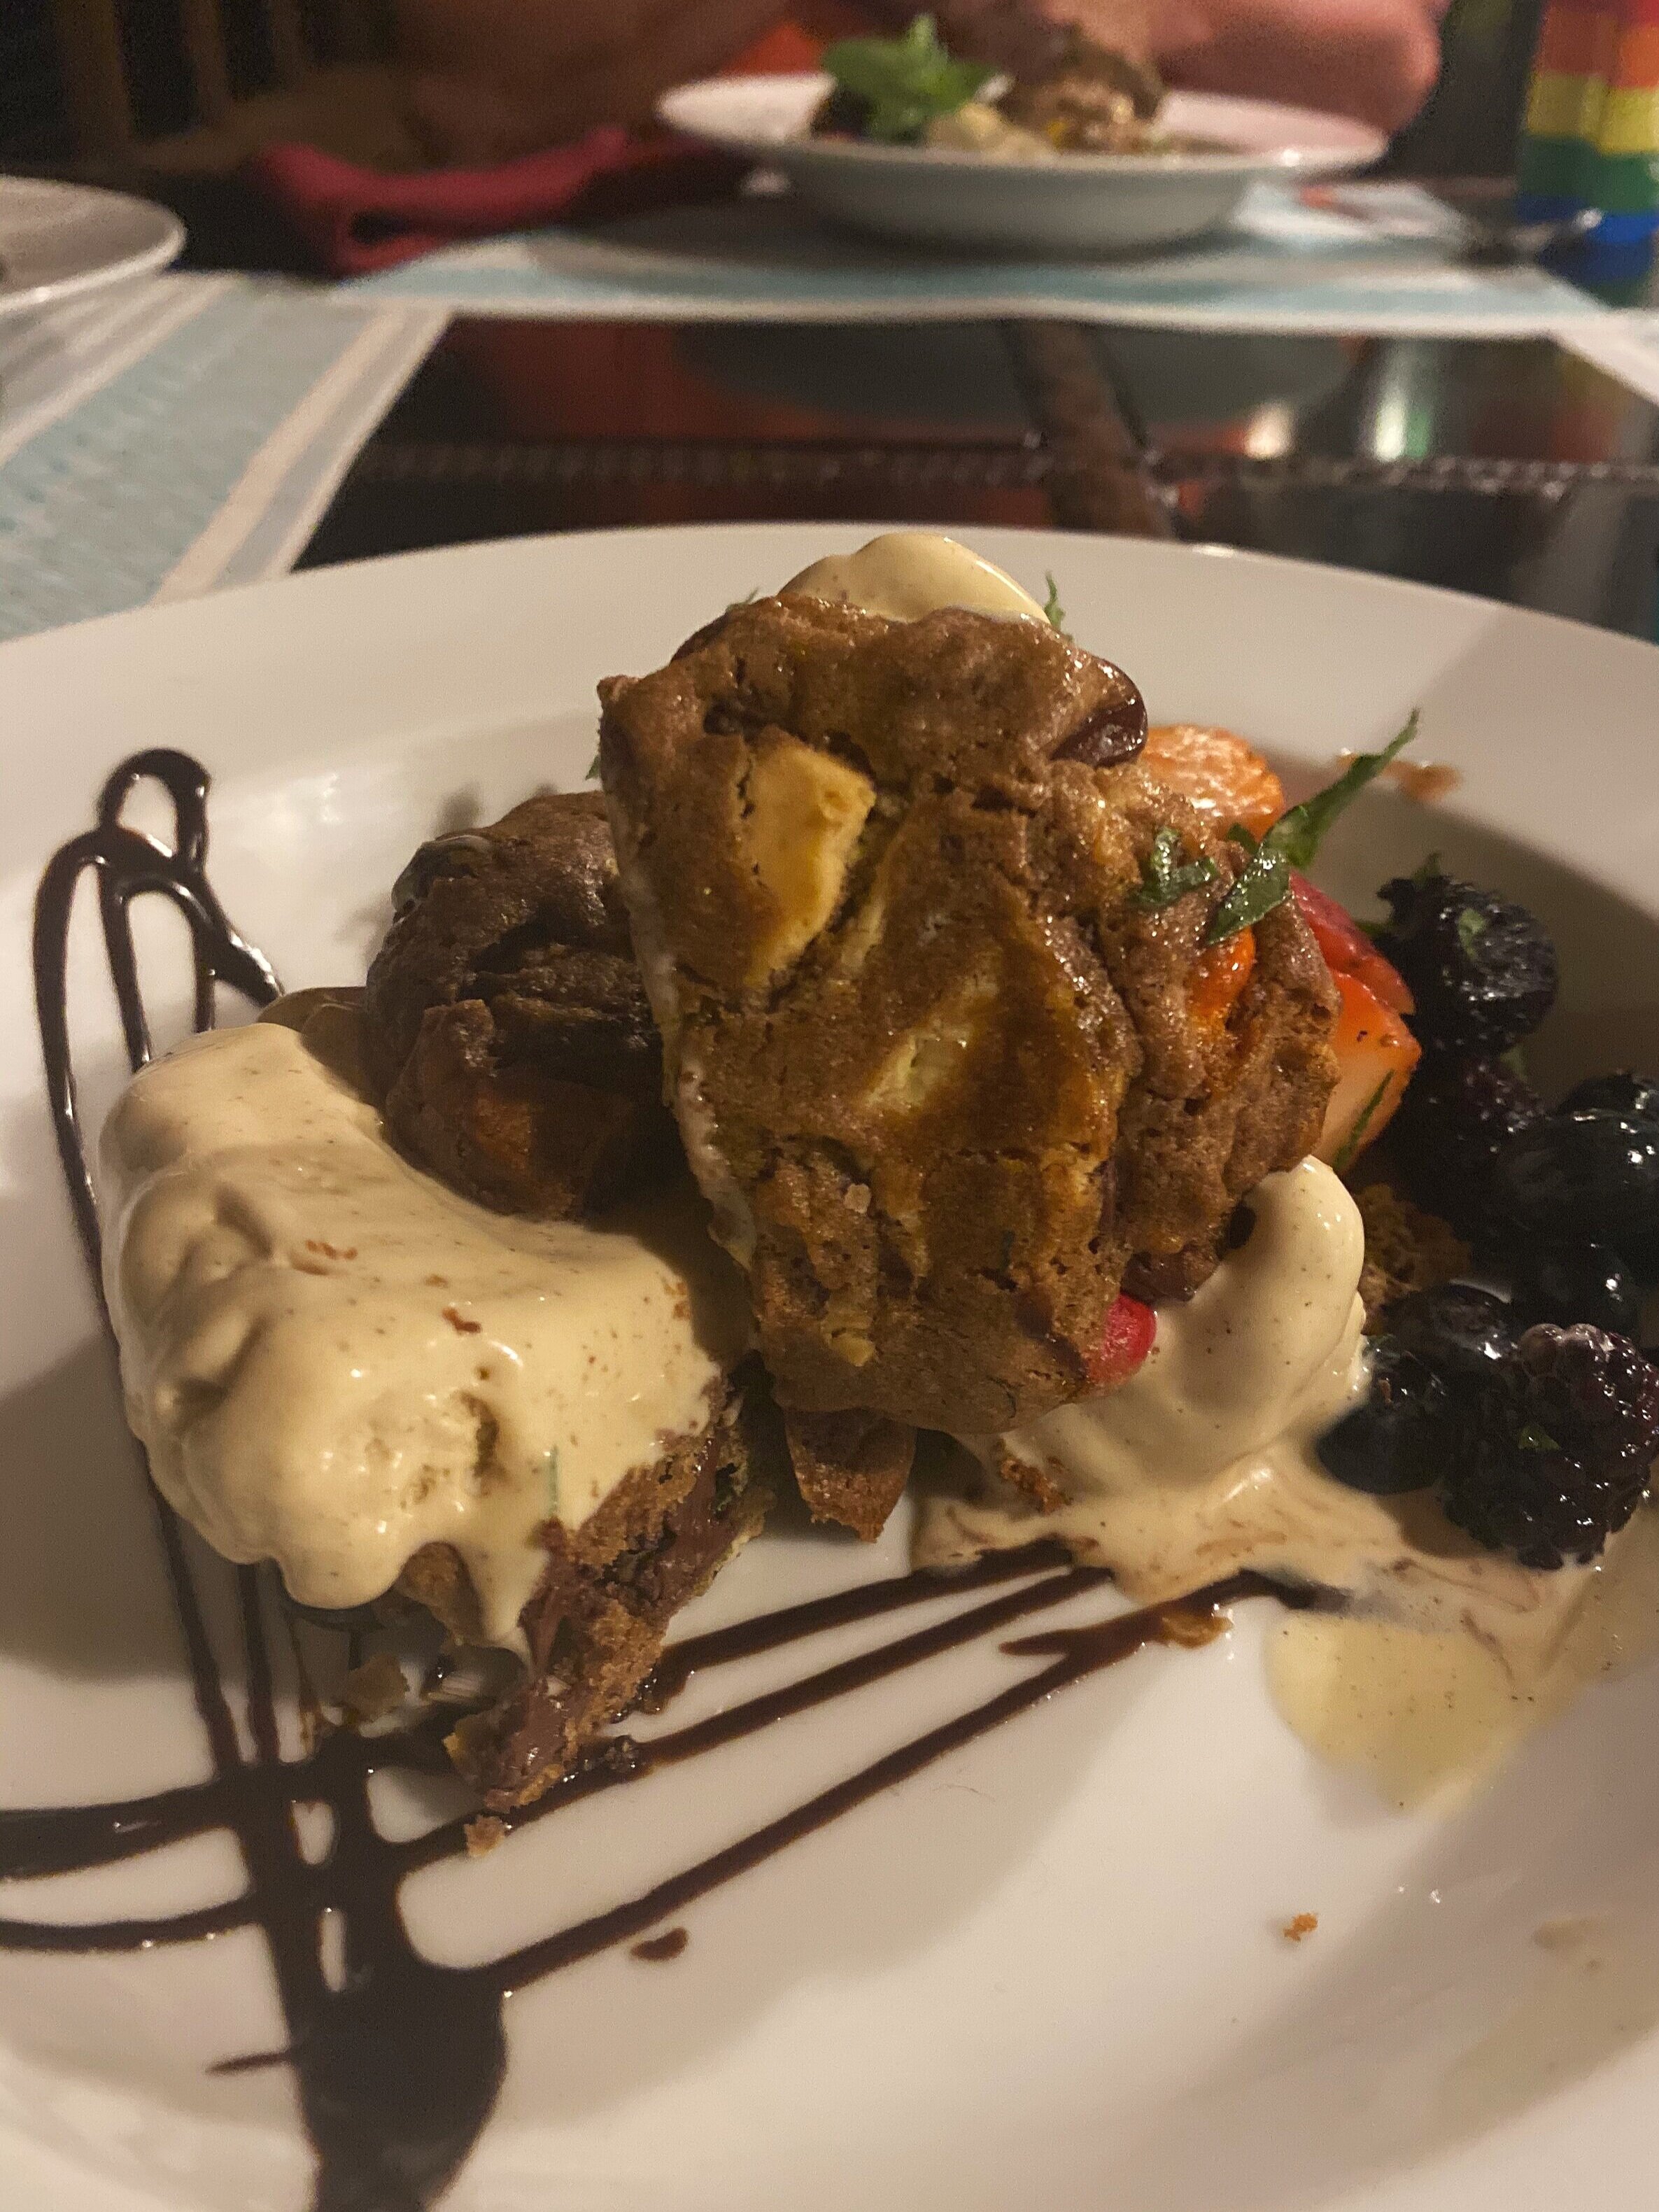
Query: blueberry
[[1460, 1332], [1569, 1283], [1623, 1093], [1395, 1441], [1592, 1173]]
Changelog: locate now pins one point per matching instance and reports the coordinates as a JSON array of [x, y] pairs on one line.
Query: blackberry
[[1621, 1093], [1481, 968], [1396, 1439], [1565, 1283], [1456, 1116], [1464, 1334], [1555, 1453], [1590, 1174]]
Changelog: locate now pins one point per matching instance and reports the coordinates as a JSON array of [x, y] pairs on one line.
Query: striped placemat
[[1367, 258], [182, 433]]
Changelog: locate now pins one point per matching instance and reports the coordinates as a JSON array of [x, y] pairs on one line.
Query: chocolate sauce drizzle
[[399, 2060]]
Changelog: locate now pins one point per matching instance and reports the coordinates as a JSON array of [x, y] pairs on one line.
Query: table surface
[[1508, 468]]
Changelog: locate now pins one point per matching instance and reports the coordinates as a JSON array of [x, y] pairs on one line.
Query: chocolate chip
[[1116, 730]]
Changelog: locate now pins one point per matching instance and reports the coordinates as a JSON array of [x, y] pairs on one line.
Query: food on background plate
[[910, 91], [1035, 1095]]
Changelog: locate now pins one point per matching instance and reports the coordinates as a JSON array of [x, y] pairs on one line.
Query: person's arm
[[488, 79], [1376, 60]]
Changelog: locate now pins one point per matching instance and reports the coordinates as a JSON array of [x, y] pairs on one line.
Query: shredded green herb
[[1294, 839], [1531, 1438], [1356, 1136], [901, 84], [1051, 605], [1472, 926], [1164, 877]]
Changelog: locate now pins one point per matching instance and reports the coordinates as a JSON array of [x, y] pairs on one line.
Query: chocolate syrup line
[[1085, 1652], [399, 2067], [675, 1746], [127, 863], [793, 1623]]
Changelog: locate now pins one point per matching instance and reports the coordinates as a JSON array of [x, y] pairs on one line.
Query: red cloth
[[355, 219]]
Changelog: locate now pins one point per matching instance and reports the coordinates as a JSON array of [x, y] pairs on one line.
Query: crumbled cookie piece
[[506, 1024], [850, 1467], [1407, 1249], [374, 1690], [595, 1627]]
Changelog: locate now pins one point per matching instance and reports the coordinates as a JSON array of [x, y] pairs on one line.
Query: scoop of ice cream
[[333, 1361], [906, 574], [1267, 1349]]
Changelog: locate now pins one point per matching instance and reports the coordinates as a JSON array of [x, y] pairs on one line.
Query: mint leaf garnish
[[1162, 881], [1051, 606], [1472, 925], [903, 83], [1294, 839], [1356, 1136]]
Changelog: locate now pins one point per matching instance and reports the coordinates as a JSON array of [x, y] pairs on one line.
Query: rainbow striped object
[[1591, 135]]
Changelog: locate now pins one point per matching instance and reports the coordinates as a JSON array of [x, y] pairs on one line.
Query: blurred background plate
[[59, 240], [1078, 203]]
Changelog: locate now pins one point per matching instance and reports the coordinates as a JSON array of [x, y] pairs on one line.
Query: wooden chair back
[[328, 80]]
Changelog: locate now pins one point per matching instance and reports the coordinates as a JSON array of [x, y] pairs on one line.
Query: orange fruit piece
[[1219, 977], [1223, 776]]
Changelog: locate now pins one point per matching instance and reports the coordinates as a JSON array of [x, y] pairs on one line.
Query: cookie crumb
[[374, 1690], [483, 1834], [1302, 1924], [1407, 1249], [657, 1948]]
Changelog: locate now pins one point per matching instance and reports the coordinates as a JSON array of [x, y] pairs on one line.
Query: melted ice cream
[[1203, 1464], [332, 1359]]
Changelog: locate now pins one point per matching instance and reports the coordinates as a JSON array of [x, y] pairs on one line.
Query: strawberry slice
[[1127, 1335], [1375, 1054], [1347, 949]]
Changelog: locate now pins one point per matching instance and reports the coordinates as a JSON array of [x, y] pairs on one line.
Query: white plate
[[1048, 1970], [59, 240], [1080, 204]]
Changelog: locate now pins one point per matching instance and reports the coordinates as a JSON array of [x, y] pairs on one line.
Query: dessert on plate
[[911, 1057], [537, 1425]]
